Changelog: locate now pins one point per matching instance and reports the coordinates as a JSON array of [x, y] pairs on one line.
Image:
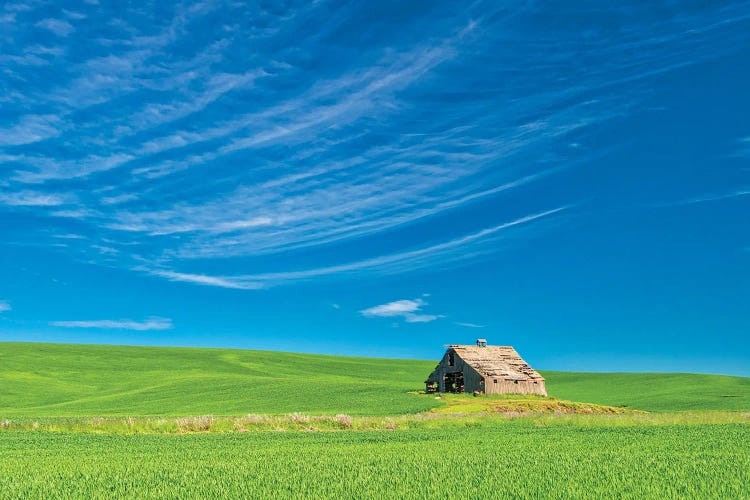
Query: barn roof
[[496, 361]]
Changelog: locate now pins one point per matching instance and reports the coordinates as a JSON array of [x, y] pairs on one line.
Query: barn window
[[451, 359], [494, 381]]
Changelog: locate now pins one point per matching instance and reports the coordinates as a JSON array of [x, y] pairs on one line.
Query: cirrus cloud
[[120, 324]]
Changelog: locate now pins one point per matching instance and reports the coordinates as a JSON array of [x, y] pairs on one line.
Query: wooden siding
[[514, 387]]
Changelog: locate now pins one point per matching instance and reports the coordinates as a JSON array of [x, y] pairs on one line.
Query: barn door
[[454, 382]]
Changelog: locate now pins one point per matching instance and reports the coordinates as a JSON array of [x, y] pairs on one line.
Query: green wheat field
[[154, 422]]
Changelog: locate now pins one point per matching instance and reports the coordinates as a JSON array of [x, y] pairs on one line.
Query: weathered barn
[[486, 369]]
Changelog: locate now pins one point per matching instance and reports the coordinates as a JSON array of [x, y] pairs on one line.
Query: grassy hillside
[[653, 391], [77, 380], [39, 380]]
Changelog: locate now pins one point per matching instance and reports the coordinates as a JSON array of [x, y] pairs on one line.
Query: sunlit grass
[[516, 459]]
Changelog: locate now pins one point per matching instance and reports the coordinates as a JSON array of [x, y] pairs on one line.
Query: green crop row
[[677, 461]]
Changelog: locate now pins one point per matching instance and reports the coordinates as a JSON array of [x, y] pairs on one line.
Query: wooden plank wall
[[510, 387]]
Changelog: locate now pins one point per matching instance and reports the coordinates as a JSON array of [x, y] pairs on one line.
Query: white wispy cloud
[[38, 170], [236, 282], [329, 103], [69, 236], [408, 309], [28, 198], [469, 325], [120, 198], [361, 95], [216, 86], [391, 263], [30, 129], [744, 148], [309, 210], [205, 155], [35, 55], [59, 27], [124, 324], [4, 306], [705, 198]]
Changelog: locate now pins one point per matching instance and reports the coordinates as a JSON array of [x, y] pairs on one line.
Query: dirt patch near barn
[[520, 405]]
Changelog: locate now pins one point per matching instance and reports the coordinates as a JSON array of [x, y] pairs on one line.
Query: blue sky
[[381, 178]]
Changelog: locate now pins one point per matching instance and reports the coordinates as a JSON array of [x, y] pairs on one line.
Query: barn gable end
[[484, 368]]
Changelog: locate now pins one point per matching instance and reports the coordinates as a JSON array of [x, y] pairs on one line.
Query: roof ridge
[[482, 347]]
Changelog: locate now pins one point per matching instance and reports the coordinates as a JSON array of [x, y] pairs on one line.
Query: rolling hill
[[55, 380]]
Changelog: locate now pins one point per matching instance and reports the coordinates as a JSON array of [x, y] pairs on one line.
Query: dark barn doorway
[[454, 382]]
